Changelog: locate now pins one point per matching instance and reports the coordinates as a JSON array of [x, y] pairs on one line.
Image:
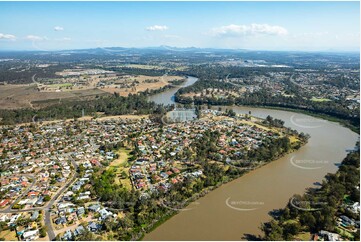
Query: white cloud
[[157, 28], [58, 28], [7, 36], [34, 38], [252, 29]]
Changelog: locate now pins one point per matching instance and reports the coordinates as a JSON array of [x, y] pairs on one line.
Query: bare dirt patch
[[136, 84], [8, 235]]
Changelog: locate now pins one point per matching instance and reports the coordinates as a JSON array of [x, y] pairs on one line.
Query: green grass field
[[121, 165], [315, 99], [303, 236], [344, 233]]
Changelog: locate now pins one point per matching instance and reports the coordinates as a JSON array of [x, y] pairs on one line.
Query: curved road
[[47, 220], [46, 208]]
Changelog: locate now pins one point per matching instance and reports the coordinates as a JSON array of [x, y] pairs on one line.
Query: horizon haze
[[273, 26]]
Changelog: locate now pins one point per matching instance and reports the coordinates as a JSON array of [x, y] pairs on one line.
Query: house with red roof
[[33, 194], [4, 202]]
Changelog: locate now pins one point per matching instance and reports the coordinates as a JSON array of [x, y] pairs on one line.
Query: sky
[[300, 26]]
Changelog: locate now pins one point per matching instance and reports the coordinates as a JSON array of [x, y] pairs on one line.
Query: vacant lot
[[121, 168], [8, 235], [135, 84], [28, 96]]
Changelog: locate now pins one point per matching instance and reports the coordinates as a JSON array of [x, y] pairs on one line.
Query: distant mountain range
[[161, 48], [165, 48]]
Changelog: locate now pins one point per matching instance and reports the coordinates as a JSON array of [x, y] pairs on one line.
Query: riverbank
[[342, 196], [185, 205], [167, 97], [272, 184], [175, 84], [343, 122]]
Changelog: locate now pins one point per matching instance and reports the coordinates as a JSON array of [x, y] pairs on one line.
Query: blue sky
[[309, 26]]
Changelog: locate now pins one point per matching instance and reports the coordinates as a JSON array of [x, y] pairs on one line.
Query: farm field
[[28, 96], [86, 87], [135, 84]]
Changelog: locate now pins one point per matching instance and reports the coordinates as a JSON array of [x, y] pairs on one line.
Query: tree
[[286, 214], [330, 198], [290, 229], [47, 198], [272, 231], [123, 175], [307, 219], [42, 231], [86, 235]]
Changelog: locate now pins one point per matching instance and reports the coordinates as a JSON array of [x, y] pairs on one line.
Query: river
[[238, 208], [167, 97]]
